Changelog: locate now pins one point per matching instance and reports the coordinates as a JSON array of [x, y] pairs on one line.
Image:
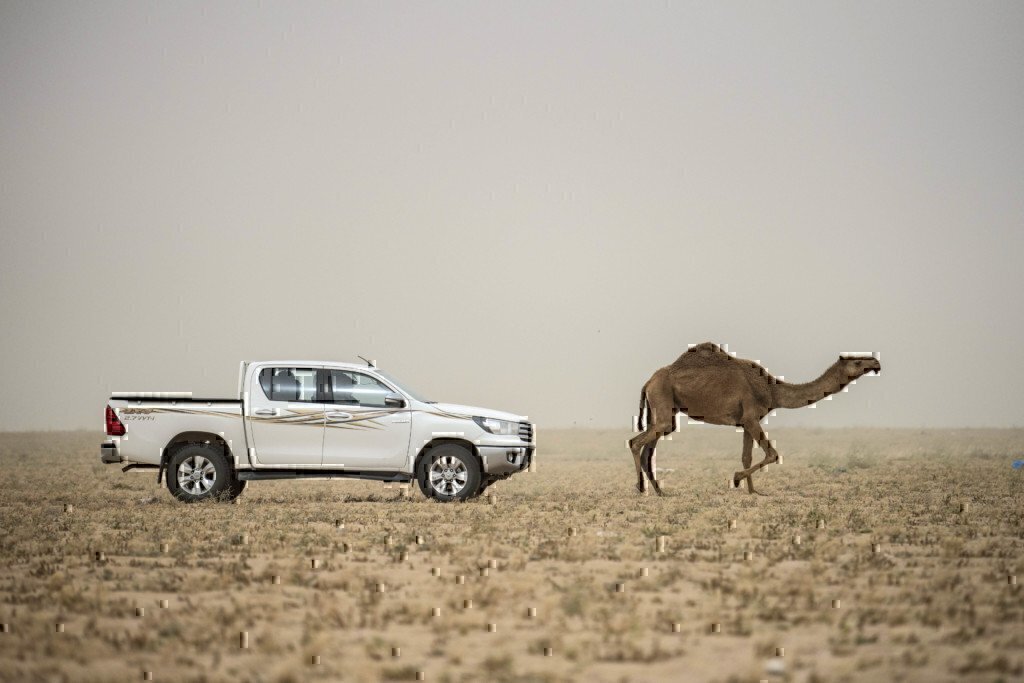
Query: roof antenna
[[369, 363]]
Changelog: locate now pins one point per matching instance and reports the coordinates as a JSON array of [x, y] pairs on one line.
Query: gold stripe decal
[[367, 420], [185, 411]]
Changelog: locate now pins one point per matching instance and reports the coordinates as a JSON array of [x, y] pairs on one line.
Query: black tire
[[438, 474], [214, 477]]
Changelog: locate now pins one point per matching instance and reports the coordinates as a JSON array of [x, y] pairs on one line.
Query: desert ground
[[879, 555]]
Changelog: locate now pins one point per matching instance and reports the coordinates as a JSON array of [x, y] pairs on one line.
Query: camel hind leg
[[660, 415], [639, 445], [647, 460], [644, 447]]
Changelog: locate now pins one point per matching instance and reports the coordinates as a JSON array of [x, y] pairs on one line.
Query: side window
[[297, 385], [355, 388]]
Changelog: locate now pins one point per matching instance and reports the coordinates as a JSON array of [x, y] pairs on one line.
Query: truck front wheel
[[200, 472], [449, 472]]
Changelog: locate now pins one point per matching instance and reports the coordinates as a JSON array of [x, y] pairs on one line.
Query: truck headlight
[[495, 426]]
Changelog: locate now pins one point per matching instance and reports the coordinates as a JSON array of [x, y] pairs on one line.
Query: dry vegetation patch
[[879, 555]]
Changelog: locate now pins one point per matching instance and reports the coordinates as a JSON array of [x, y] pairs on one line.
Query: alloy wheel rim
[[448, 475], [196, 475]]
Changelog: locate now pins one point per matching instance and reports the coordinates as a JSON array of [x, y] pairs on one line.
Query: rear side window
[[297, 385], [355, 388]]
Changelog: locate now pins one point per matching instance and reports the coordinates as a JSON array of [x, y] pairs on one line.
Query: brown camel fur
[[712, 386]]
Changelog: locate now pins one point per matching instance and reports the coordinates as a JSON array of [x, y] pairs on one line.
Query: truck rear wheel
[[200, 472], [449, 472]]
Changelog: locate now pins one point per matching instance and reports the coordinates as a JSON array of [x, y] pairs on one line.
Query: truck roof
[[309, 363]]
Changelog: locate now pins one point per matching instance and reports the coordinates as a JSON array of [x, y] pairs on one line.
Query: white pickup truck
[[295, 419]]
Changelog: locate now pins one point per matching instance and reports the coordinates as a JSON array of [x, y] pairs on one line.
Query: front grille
[[526, 432]]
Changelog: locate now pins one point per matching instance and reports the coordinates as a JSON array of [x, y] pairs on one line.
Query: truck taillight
[[114, 426]]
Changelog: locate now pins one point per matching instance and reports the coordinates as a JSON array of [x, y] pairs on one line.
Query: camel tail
[[643, 403]]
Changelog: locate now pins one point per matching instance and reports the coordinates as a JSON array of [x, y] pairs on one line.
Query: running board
[[138, 466], [253, 475]]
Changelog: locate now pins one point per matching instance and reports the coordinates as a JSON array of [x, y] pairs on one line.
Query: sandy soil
[[879, 555]]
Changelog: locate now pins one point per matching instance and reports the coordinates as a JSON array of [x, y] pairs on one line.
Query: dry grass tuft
[[909, 543]]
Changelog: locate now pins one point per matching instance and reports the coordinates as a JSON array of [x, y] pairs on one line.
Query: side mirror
[[394, 400]]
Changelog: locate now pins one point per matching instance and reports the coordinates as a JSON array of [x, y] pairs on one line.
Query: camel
[[712, 386]]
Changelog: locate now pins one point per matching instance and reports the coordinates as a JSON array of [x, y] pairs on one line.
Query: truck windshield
[[405, 387]]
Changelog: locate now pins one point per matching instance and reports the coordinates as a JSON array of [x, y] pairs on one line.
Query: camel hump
[[706, 347], [707, 353]]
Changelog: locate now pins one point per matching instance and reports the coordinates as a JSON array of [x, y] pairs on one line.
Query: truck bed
[[152, 419]]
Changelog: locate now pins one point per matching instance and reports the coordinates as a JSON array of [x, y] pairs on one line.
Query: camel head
[[856, 366]]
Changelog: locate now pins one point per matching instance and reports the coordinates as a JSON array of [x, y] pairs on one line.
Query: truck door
[[362, 431], [286, 417]]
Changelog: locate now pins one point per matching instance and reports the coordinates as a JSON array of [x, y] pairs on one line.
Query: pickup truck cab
[[315, 419]]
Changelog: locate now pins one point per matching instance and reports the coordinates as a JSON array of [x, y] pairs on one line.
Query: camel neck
[[788, 395]]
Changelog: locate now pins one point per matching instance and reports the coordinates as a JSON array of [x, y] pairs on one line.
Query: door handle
[[339, 416], [265, 411]]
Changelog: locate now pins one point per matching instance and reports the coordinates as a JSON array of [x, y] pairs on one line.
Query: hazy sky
[[526, 206]]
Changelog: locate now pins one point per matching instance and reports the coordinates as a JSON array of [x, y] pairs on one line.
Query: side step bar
[[254, 475], [138, 466]]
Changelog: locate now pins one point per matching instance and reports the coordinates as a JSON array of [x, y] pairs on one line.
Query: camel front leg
[[753, 431], [748, 457]]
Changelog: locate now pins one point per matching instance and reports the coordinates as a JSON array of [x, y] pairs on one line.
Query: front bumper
[[500, 459], [109, 454]]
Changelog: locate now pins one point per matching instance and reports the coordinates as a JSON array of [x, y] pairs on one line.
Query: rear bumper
[[109, 454], [505, 459]]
